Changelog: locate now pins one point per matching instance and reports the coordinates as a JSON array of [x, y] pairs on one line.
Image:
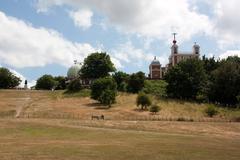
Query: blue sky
[[44, 36]]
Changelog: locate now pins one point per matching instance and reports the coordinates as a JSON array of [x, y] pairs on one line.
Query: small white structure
[[25, 85]]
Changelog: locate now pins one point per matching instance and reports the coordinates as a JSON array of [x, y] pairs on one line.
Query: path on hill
[[26, 100]]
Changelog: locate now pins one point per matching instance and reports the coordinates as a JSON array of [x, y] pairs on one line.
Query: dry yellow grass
[[47, 102]]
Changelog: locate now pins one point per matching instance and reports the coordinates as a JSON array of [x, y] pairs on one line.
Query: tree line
[[202, 80]]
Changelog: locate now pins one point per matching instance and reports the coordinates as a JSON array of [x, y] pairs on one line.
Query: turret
[[196, 48], [174, 48]]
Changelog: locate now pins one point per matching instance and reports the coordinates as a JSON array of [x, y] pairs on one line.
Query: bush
[[154, 109], [46, 82], [107, 97], [211, 111], [136, 82], [156, 87], [143, 100], [104, 90], [74, 86]]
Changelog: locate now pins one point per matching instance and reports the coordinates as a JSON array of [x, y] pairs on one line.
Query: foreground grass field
[[54, 139]]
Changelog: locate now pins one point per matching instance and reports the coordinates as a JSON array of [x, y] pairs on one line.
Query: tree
[[186, 80], [107, 97], [136, 82], [8, 79], [210, 64], [74, 86], [104, 90], [61, 82], [97, 65], [121, 79], [46, 82], [224, 85], [143, 100]]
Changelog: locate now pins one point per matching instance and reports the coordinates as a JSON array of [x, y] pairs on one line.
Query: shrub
[[211, 110], [8, 79], [136, 82], [154, 109], [104, 90], [74, 86], [107, 97], [156, 88], [143, 100]]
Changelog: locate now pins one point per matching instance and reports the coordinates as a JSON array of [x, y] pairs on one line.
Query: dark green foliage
[[155, 87], [74, 86], [61, 82], [97, 65], [136, 82], [186, 79], [224, 84], [154, 108], [121, 78], [143, 100], [211, 111], [107, 97], [8, 79], [104, 90], [210, 64], [46, 82]]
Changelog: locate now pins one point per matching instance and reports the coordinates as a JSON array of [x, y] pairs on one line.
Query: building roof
[[155, 62]]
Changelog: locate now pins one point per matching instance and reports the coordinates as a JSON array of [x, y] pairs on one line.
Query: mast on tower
[[174, 38]]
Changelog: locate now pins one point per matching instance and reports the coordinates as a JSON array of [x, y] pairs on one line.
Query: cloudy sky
[[44, 36]]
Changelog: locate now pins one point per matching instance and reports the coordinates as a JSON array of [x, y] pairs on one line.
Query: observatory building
[[176, 56]]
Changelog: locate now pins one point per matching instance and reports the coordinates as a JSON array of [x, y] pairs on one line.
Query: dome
[[73, 72], [155, 62]]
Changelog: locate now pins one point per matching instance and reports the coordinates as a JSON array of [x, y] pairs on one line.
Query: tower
[[155, 69], [196, 48], [174, 47]]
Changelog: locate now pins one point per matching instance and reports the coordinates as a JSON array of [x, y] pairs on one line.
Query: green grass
[[35, 141]]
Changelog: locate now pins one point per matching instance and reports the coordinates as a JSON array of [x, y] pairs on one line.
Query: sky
[[40, 37]]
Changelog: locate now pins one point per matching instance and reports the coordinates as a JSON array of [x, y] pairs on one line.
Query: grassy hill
[[42, 103], [120, 137]]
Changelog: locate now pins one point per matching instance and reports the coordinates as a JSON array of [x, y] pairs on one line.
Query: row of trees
[[209, 80]]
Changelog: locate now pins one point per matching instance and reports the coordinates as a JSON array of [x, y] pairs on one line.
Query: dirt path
[[26, 100]]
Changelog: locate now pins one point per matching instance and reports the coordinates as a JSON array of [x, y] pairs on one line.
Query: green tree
[[97, 65], [186, 80], [61, 82], [143, 100], [107, 97], [155, 87], [8, 79], [224, 84], [46, 82], [104, 90], [210, 64], [121, 79], [136, 82], [74, 86]]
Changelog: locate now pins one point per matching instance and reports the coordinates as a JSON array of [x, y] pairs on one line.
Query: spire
[[155, 58], [174, 38]]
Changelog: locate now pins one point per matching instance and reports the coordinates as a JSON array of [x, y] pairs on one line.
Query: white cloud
[[148, 18], [22, 45], [230, 53], [127, 53], [82, 18]]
